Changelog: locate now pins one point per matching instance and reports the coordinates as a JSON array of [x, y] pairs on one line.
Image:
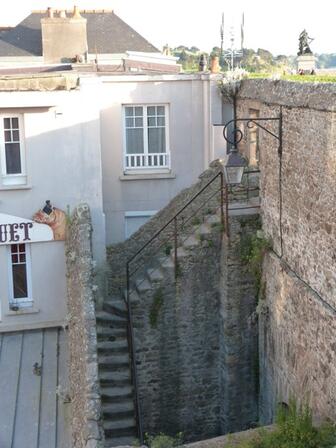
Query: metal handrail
[[220, 173], [134, 373], [127, 298], [223, 202], [184, 222]]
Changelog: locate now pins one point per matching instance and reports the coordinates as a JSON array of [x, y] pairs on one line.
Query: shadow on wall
[[184, 126], [64, 166]]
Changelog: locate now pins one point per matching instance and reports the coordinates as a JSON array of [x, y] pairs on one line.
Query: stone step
[[204, 229], [134, 296], [119, 424], [116, 394], [108, 319], [181, 253], [142, 285], [118, 411], [191, 242], [121, 441], [116, 308], [114, 362], [115, 379], [166, 263], [155, 275], [118, 346], [122, 427], [105, 333], [214, 219]]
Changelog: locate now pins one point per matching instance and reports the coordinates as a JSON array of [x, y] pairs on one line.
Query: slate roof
[[107, 33], [33, 383]]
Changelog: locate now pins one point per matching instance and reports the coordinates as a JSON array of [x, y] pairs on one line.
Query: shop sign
[[15, 230]]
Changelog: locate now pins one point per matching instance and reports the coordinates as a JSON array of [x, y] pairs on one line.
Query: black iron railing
[[175, 227], [174, 236]]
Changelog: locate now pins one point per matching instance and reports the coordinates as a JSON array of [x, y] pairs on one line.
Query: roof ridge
[[84, 11]]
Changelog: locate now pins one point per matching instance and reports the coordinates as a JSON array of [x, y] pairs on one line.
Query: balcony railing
[[147, 161]]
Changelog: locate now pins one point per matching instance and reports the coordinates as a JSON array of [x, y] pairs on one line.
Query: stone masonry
[[298, 197], [84, 383], [120, 253], [239, 382], [178, 358], [197, 363], [297, 345]]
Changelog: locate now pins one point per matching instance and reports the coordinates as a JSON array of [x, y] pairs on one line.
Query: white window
[[12, 149], [19, 275], [134, 220], [146, 137]]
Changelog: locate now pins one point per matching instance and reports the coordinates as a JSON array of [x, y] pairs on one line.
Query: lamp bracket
[[238, 134]]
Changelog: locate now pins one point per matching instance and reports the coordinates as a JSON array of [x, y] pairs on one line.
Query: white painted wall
[[48, 289], [194, 105], [64, 165], [74, 153]]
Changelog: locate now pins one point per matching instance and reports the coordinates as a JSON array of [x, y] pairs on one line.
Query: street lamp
[[234, 167], [235, 163]]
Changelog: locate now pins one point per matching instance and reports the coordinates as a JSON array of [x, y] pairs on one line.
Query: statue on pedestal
[[304, 41]]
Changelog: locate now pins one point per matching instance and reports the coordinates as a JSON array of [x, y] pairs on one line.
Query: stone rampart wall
[[298, 197], [84, 382], [238, 330], [297, 344]]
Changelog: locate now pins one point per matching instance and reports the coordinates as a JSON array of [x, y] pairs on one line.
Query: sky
[[269, 24]]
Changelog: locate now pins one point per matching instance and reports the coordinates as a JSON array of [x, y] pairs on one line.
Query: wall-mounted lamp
[[235, 163]]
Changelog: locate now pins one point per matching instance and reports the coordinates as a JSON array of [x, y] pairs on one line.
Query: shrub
[[294, 429], [163, 441], [252, 251]]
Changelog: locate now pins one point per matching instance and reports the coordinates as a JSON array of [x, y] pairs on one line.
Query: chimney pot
[[215, 64], [76, 13], [50, 13], [202, 67]]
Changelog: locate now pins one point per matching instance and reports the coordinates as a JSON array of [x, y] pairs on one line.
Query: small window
[[12, 150], [134, 220], [19, 273], [146, 137]]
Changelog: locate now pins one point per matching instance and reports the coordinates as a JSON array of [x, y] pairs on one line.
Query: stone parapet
[[84, 382], [37, 83], [317, 96]]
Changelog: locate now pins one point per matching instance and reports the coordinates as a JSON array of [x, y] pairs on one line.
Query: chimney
[[214, 67], [76, 13], [64, 39], [202, 66]]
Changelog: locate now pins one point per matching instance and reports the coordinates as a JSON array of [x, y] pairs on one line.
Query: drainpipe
[[206, 121]]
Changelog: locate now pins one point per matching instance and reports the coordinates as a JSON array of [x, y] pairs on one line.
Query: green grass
[[295, 78], [294, 429]]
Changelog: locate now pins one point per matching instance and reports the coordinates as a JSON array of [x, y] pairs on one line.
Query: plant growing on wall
[[294, 429], [252, 251], [163, 441], [156, 307]]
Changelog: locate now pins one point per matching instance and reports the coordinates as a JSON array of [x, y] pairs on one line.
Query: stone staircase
[[115, 374], [117, 391]]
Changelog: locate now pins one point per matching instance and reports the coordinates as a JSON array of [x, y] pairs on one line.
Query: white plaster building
[[122, 131]]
